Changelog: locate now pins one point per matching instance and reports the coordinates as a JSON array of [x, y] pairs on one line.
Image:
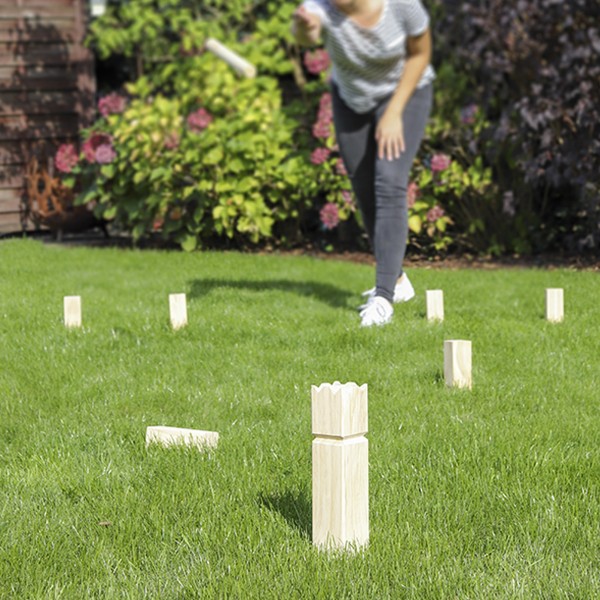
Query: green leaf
[[189, 243], [110, 213], [108, 171], [415, 224]]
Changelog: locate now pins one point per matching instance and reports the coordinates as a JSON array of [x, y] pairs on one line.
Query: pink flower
[[321, 129], [330, 215], [199, 120], [348, 200], [105, 154], [322, 126], [93, 143], [172, 141], [340, 167], [112, 104], [325, 102], [319, 156], [440, 162], [66, 158], [412, 194], [316, 61], [435, 213]]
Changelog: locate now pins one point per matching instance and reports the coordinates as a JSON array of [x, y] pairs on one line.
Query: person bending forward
[[381, 87]]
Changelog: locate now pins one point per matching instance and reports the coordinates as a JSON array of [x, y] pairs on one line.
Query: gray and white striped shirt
[[368, 62]]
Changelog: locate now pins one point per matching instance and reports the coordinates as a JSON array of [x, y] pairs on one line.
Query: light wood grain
[[435, 305], [457, 363], [340, 455], [178, 310], [72, 310], [177, 436], [555, 309], [234, 60]]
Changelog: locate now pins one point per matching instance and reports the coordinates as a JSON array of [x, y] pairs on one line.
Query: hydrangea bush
[[197, 154]]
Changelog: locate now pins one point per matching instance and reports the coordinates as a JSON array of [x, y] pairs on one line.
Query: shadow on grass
[[324, 292], [294, 507]]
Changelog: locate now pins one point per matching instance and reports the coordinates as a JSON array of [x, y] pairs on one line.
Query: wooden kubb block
[[178, 310], [340, 463], [555, 308], [177, 436], [72, 311], [457, 363], [435, 305]]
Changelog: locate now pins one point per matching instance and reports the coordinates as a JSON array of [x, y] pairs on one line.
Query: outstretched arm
[[306, 27], [389, 133]]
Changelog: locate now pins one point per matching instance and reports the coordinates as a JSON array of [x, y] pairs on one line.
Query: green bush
[[264, 165]]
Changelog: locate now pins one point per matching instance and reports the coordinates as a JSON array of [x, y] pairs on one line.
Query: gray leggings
[[379, 184]]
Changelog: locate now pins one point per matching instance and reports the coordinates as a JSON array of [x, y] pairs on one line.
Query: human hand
[[390, 136], [307, 23]]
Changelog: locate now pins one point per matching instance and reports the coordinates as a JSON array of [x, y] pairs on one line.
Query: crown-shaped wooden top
[[339, 409]]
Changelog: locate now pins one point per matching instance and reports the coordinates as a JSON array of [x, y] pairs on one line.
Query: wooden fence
[[47, 89]]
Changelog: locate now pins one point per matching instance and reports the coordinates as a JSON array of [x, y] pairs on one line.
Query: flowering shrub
[[316, 61], [193, 171], [66, 158], [197, 153], [330, 215], [112, 104], [198, 121]]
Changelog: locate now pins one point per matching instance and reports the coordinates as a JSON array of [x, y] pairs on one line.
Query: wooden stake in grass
[[435, 305], [72, 309], [178, 310], [340, 470], [555, 311], [234, 60], [176, 436], [457, 363]]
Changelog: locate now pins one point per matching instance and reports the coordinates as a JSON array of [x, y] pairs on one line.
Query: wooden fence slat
[[68, 127], [39, 103], [40, 82], [10, 198], [33, 13], [47, 88], [41, 54], [10, 222], [12, 152]]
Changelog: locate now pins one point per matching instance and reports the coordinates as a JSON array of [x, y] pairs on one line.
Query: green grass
[[492, 493]]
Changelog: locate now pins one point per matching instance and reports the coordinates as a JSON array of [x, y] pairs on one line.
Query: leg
[[355, 135], [391, 183]]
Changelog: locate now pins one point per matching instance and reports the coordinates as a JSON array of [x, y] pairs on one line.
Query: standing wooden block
[[72, 309], [178, 310], [435, 305], [555, 310], [457, 363], [176, 436], [340, 466]]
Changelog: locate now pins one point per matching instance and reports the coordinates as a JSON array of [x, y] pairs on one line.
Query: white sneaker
[[378, 311], [403, 292]]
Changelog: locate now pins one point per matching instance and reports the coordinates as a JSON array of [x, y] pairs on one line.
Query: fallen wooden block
[[178, 310], [435, 305], [72, 310], [234, 60], [340, 466], [555, 310], [176, 436], [457, 363]]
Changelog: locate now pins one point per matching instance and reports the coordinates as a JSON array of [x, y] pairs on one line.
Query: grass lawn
[[489, 493]]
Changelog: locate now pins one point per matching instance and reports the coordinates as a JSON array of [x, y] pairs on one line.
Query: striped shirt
[[368, 62]]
